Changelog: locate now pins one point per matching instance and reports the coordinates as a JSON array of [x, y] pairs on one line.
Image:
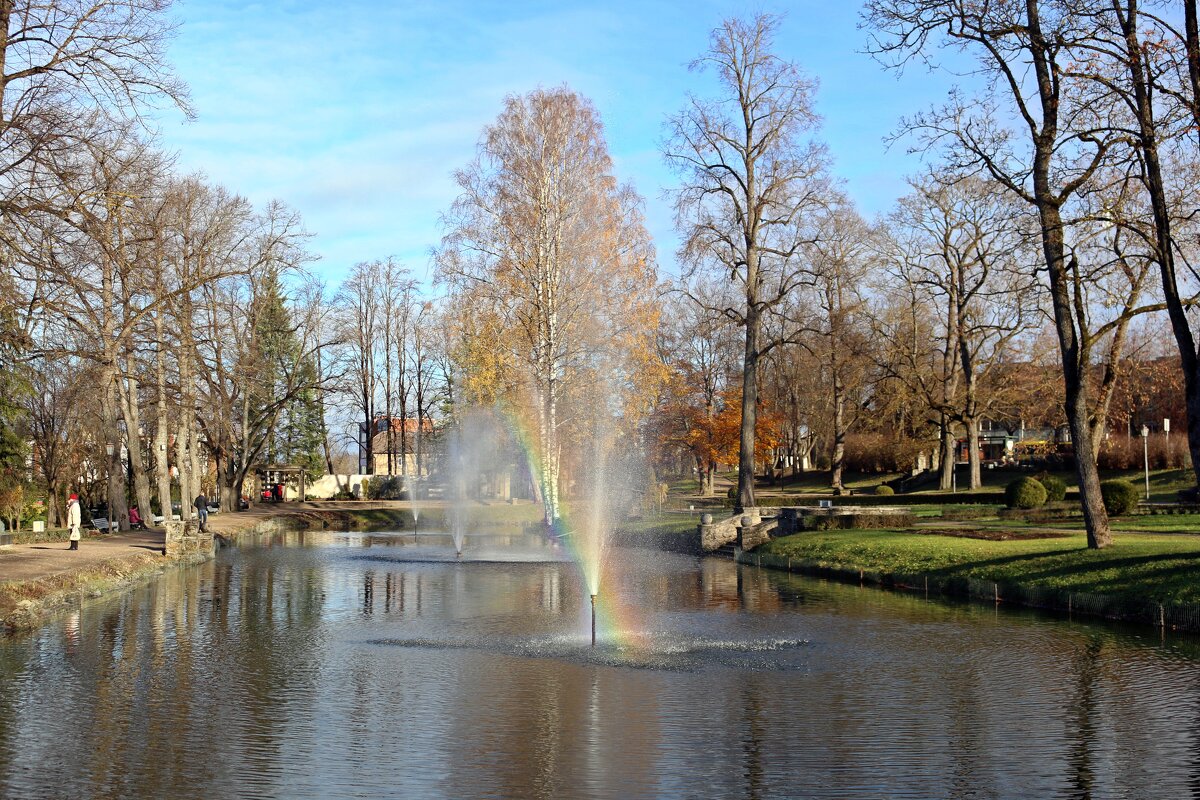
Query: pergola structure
[[271, 474]]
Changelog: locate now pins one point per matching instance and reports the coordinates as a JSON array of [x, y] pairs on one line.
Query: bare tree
[[1147, 74], [749, 180], [957, 247], [841, 256], [1053, 149], [360, 298]]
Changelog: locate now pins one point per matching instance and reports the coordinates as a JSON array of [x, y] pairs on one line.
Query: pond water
[[319, 665]]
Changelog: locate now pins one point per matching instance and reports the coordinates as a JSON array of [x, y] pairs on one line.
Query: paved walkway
[[24, 562]]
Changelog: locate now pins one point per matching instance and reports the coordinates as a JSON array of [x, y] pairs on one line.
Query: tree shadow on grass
[[1135, 568]]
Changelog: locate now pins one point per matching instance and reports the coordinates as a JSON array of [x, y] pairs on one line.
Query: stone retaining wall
[[184, 538]]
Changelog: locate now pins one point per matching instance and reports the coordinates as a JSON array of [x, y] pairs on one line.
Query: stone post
[[185, 538]]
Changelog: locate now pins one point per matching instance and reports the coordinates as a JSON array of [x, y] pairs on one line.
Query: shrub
[[863, 520], [1056, 487], [1024, 493], [386, 487], [884, 490], [1125, 452], [1120, 497]]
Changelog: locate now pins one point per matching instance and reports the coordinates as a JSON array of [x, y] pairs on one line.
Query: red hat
[[74, 496]]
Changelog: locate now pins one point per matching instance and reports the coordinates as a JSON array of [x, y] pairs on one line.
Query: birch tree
[[544, 237]]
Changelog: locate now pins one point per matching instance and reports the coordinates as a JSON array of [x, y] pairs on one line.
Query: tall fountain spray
[[595, 525], [473, 449], [414, 487]]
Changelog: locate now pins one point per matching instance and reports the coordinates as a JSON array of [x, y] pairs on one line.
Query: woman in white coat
[[74, 522]]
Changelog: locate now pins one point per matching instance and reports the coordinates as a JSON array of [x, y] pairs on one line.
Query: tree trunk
[[973, 459], [183, 434], [838, 460], [946, 455], [1074, 355], [745, 490], [162, 457], [1164, 250], [133, 427], [118, 511], [1075, 384]]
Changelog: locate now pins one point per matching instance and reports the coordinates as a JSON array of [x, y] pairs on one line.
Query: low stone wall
[[184, 538], [715, 535], [751, 536]]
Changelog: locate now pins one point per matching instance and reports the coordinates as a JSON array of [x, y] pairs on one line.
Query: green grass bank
[[1154, 579]]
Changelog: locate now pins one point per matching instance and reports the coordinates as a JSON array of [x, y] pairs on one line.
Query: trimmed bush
[[386, 487], [1058, 512], [1056, 487], [883, 490], [1120, 497], [865, 520], [1024, 493]]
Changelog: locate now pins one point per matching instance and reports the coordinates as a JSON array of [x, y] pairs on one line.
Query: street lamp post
[[1146, 456], [111, 495]]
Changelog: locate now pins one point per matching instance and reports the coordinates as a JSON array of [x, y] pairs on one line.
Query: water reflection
[[331, 664]]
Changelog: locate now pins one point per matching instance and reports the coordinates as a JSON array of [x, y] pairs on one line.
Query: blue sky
[[356, 113]]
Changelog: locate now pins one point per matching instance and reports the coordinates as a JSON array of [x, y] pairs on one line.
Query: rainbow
[[616, 623]]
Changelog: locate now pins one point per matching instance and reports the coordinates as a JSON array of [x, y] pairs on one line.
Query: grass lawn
[[1166, 523], [1164, 569], [669, 531]]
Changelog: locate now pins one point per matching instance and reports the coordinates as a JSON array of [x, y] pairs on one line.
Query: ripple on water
[[658, 651]]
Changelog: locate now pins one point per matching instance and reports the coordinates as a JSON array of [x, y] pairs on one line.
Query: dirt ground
[[25, 562]]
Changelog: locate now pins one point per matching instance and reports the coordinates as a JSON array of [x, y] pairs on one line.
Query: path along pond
[[316, 665]]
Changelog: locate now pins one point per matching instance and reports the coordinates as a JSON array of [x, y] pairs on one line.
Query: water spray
[[593, 620]]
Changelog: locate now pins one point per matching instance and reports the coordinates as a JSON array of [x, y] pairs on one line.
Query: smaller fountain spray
[[593, 620]]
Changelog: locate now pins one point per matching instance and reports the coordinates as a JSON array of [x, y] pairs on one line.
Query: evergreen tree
[[285, 380]]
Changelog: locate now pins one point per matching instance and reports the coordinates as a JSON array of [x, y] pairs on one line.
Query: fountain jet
[[593, 620]]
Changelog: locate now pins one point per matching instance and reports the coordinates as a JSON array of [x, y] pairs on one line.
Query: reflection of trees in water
[[1081, 724], [551, 730], [754, 693], [735, 587], [16, 656]]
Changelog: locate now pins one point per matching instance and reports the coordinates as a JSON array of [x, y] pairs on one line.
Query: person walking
[[74, 522], [201, 504]]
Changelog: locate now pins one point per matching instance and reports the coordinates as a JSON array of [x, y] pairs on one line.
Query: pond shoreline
[[54, 585], [885, 568]]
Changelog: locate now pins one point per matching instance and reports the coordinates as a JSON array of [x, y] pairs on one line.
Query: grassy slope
[[1163, 569]]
